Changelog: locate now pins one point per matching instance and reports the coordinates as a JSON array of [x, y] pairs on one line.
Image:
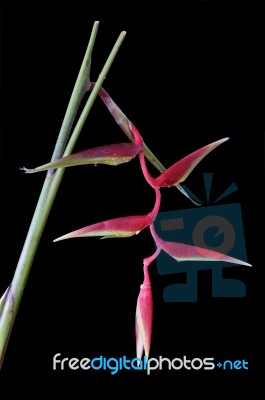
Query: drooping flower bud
[[144, 317]]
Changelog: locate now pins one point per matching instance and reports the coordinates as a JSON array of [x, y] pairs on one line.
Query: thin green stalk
[[93, 95], [46, 199], [12, 301], [82, 85]]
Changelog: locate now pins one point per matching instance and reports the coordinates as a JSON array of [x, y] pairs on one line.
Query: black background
[[185, 75]]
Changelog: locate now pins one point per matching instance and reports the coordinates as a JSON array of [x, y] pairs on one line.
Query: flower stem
[[156, 238], [155, 210], [50, 187], [147, 262]]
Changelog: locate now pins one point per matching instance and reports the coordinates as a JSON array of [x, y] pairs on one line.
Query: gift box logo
[[215, 227]]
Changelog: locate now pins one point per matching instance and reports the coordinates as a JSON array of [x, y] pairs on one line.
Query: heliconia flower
[[112, 228], [179, 171], [112, 154], [144, 318]]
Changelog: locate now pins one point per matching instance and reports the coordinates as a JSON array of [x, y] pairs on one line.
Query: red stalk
[[138, 140]]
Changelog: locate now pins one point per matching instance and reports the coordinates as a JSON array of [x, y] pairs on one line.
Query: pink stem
[[149, 179], [132, 132], [156, 238], [147, 262], [136, 134], [155, 210], [138, 140]]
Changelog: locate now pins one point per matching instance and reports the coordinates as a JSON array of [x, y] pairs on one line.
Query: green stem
[[82, 85], [93, 95], [41, 212], [47, 197]]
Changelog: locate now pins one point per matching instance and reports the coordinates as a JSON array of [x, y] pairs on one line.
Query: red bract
[[186, 252], [179, 171], [116, 228], [112, 154]]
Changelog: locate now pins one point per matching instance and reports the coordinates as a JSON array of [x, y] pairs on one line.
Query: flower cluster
[[115, 154]]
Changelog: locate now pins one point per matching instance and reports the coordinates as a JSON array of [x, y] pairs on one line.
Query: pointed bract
[[112, 154], [144, 320], [112, 228], [186, 252], [179, 171]]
